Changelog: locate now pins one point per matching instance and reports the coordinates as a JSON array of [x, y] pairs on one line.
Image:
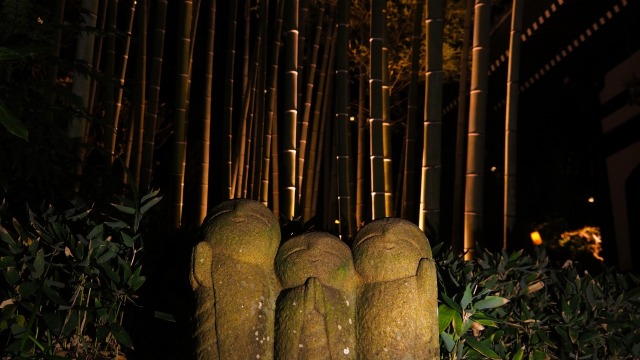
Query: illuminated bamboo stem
[[473, 211], [429, 217], [511, 121]]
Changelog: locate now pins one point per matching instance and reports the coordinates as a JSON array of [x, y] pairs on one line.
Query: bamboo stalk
[[316, 127], [429, 219], [227, 115], [323, 112], [206, 115], [268, 167], [257, 165], [306, 109], [140, 95], [78, 125], [461, 136], [409, 210], [473, 210], [343, 154], [289, 139], [511, 122], [146, 170], [111, 131], [181, 116], [376, 146]]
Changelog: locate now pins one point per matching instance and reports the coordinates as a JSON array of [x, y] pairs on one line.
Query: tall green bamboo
[[240, 144], [268, 167], [110, 73], [181, 115], [473, 212], [153, 102], [345, 213], [511, 121], [409, 208], [386, 125], [289, 124], [324, 114], [111, 130], [260, 107], [362, 200], [97, 56], [306, 108], [52, 71], [206, 115], [361, 191], [140, 99], [461, 135], [77, 129], [376, 147], [309, 200], [429, 217], [227, 116]]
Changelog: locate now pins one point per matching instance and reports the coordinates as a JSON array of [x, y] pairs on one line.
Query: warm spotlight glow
[[493, 169], [337, 221], [591, 199], [536, 238]]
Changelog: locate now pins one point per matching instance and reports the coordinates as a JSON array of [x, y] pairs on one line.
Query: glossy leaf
[[490, 302], [12, 123], [448, 341], [466, 298], [121, 335], [124, 209], [482, 348], [445, 316]]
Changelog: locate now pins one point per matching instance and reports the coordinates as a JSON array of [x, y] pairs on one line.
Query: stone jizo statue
[[312, 297]]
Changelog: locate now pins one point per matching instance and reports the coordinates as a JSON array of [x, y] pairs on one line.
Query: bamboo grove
[[290, 102]]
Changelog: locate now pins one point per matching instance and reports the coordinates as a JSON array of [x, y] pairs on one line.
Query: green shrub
[[516, 306], [67, 276]]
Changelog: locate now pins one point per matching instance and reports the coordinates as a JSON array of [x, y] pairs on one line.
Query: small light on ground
[[536, 238]]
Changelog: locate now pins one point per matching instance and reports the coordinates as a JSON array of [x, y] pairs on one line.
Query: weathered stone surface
[[235, 283], [312, 297], [397, 304], [315, 317]]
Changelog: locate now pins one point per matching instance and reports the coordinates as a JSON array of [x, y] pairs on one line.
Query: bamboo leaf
[[466, 298], [121, 335], [124, 209], [445, 315], [12, 124], [451, 303], [448, 341], [38, 264], [519, 354], [149, 196], [148, 205], [6, 237], [482, 348], [490, 302]]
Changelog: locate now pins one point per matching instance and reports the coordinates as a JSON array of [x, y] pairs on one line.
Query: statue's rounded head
[[244, 230], [317, 254], [389, 249]]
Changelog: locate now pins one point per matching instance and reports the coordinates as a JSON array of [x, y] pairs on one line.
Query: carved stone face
[[389, 249], [244, 230], [319, 255]]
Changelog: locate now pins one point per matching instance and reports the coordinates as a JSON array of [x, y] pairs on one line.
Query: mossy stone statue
[[397, 302], [235, 283], [312, 297], [315, 317]]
